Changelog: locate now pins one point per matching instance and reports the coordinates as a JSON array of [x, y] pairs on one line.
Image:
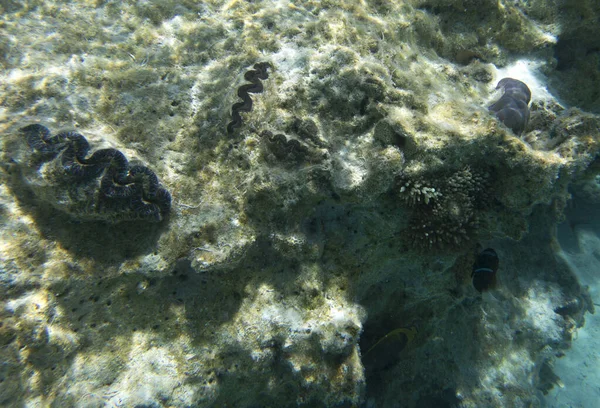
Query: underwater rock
[[101, 186], [308, 131], [391, 135], [292, 151], [259, 286], [512, 108], [255, 86]]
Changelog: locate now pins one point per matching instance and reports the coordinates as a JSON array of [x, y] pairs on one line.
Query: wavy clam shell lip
[[254, 76], [512, 109], [125, 192]]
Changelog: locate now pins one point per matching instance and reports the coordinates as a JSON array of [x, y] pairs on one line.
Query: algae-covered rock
[[333, 169]]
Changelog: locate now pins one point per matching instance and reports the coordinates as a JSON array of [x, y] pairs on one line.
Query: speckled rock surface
[[338, 223]]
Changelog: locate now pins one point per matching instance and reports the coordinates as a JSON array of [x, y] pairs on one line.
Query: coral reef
[[337, 225], [576, 54], [445, 214]]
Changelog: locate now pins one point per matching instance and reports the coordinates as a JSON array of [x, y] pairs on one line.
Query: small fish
[[386, 352], [484, 270]]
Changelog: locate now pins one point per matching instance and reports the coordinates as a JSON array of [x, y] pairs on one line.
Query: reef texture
[[323, 255], [101, 186]]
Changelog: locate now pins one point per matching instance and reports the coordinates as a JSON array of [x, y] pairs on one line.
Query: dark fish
[[484, 270]]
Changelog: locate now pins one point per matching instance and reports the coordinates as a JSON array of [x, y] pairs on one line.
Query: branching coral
[[445, 209], [414, 193]]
